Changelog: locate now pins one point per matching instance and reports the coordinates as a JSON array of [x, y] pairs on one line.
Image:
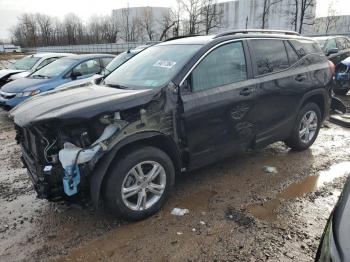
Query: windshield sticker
[[151, 83], [164, 63]]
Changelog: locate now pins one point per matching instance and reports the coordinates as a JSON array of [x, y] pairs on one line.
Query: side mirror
[[185, 88], [332, 51], [74, 75]]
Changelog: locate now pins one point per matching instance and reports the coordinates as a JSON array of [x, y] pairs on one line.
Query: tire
[[124, 174], [300, 142], [341, 92]]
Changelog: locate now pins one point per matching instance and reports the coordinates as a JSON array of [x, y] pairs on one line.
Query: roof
[[90, 56], [47, 55], [202, 40]]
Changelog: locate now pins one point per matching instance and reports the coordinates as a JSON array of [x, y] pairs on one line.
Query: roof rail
[[247, 31], [178, 37]]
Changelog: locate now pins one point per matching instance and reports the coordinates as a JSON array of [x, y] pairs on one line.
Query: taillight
[[331, 67]]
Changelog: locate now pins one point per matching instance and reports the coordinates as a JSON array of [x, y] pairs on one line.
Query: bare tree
[[302, 14], [268, 4], [45, 27], [110, 29], [147, 22], [166, 22], [192, 9], [332, 18], [211, 15]]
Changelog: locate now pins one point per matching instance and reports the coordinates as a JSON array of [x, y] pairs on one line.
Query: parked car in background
[[113, 65], [176, 106], [337, 49], [62, 71], [335, 241], [27, 65]]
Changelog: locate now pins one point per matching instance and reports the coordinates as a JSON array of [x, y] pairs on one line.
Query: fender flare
[[102, 166], [326, 99]]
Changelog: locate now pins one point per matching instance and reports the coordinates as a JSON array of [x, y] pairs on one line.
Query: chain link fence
[[114, 48]]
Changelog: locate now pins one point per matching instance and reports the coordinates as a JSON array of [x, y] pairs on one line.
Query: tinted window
[[270, 56], [292, 55], [224, 65], [88, 67], [304, 47], [342, 44]]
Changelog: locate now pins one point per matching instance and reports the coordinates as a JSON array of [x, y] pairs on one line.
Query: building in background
[[140, 23], [331, 25], [240, 14]]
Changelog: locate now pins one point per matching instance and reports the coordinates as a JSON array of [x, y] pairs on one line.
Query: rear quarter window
[[305, 47], [270, 55]]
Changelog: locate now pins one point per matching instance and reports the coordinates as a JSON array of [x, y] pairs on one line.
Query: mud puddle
[[269, 210]]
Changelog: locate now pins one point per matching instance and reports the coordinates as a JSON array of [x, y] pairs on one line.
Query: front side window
[[270, 56], [88, 67], [153, 67], [223, 66]]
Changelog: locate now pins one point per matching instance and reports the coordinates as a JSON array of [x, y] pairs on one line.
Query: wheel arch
[[320, 98], [151, 138]]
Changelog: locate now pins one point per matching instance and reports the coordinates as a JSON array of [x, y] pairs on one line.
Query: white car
[[25, 66]]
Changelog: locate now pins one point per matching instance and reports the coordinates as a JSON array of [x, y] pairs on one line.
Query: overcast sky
[[10, 9]]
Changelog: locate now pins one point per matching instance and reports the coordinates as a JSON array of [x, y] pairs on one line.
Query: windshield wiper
[[116, 86], [40, 76]]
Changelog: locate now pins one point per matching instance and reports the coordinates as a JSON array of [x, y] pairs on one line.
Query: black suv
[[177, 106]]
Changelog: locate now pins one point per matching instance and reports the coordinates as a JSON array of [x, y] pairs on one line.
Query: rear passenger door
[[282, 81], [218, 104]]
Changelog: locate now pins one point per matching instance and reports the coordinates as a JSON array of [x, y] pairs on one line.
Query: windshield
[[55, 68], [153, 67], [25, 63], [116, 62]]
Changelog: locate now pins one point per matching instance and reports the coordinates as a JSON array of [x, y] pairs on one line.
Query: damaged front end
[[60, 153], [60, 159]]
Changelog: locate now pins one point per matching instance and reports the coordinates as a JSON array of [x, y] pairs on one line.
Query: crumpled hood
[[8, 72], [78, 103], [24, 84]]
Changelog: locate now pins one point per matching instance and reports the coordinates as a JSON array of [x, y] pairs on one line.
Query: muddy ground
[[237, 211]]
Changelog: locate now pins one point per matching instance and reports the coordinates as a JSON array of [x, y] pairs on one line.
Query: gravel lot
[[237, 211]]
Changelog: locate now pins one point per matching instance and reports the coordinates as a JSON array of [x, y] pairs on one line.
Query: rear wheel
[[139, 183], [306, 128]]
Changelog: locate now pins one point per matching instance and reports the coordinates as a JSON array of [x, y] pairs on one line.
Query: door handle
[[246, 91], [300, 78]]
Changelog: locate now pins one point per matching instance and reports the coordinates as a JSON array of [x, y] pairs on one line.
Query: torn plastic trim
[[71, 155]]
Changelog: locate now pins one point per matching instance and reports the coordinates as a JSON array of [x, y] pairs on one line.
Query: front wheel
[[306, 128], [139, 183]]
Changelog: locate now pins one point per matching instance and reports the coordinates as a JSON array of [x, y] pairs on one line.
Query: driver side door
[[218, 107]]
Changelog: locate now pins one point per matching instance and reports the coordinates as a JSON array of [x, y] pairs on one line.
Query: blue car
[[55, 74]]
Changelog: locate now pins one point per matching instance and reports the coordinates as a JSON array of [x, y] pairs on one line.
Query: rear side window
[[270, 55], [224, 65], [305, 47], [292, 55]]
